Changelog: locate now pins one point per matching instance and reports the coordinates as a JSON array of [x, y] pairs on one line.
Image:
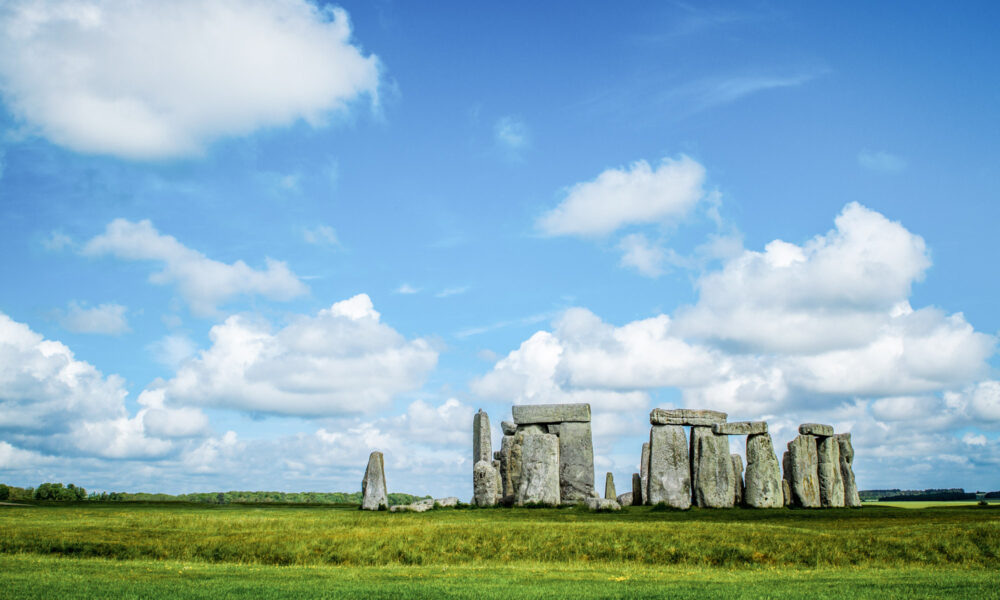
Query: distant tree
[[4, 492]]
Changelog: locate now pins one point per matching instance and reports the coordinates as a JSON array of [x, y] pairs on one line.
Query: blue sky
[[245, 243]]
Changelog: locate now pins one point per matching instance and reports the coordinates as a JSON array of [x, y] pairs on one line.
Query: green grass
[[170, 550], [930, 503]]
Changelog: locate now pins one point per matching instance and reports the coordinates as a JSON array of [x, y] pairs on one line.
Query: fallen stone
[[485, 483], [737, 479], [418, 506], [851, 496], [713, 479], [637, 497], [539, 480], [669, 467], [551, 413], [373, 490], [625, 499], [686, 416], [816, 429], [644, 472], [446, 502], [763, 486], [740, 428], [804, 480], [831, 482], [609, 487], [576, 460], [508, 427], [482, 446], [602, 504], [506, 482]]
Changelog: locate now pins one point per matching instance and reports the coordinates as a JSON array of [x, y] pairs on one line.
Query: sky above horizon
[[245, 243]]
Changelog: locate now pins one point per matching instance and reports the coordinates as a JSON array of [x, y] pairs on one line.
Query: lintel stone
[[686, 416], [816, 429], [740, 428], [551, 413]]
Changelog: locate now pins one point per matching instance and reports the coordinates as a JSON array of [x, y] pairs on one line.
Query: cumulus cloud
[[630, 195], [108, 319], [146, 80], [642, 255], [204, 283], [881, 161], [343, 360]]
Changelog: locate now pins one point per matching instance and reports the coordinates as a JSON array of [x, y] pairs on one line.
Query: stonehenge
[[373, 491], [546, 457]]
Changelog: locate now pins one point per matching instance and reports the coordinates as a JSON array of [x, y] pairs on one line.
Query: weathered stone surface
[[804, 463], [740, 428], [713, 478], [506, 481], [644, 472], [669, 467], [737, 479], [786, 493], [602, 504], [482, 446], [831, 482], [763, 486], [539, 480], [637, 496], [447, 501], [485, 484], [625, 499], [686, 416], [551, 413], [609, 487], [373, 490], [851, 496], [576, 460], [514, 469], [816, 429], [508, 427]]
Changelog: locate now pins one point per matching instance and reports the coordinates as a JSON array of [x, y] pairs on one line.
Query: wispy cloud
[[529, 320], [321, 235], [452, 291], [406, 288], [107, 319], [881, 161]]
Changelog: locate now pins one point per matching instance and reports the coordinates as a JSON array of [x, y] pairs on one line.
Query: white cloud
[[406, 288], [56, 241], [642, 255], [881, 161], [342, 360], [108, 319], [204, 283], [152, 79], [511, 132], [172, 350], [321, 235], [631, 195], [452, 291]]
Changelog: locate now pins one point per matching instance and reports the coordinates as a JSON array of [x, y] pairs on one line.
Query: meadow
[[199, 551]]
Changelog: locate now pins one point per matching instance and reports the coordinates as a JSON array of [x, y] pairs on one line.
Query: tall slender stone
[[786, 475], [609, 487], [485, 484], [737, 479], [644, 472], [576, 459], [539, 480], [669, 467], [713, 479], [373, 489], [482, 446], [637, 498], [851, 496], [804, 462], [763, 476], [506, 481], [831, 482]]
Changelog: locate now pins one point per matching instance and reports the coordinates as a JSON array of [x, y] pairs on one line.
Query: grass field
[[93, 550]]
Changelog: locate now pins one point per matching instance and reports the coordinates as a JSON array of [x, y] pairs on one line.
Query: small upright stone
[[740, 428], [482, 445], [786, 493], [686, 416], [609, 487], [485, 484], [851, 496], [506, 481], [737, 479], [508, 427], [764, 484], [831, 482], [644, 472], [373, 490], [804, 481], [539, 480], [816, 429], [669, 467], [637, 498]]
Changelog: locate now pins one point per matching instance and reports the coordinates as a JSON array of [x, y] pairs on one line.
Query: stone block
[[609, 487], [686, 416], [625, 499], [851, 496], [804, 463], [637, 495], [508, 427], [482, 445], [373, 489], [737, 479], [816, 429], [526, 414], [763, 486], [713, 478], [485, 484], [740, 428], [831, 482], [576, 460], [602, 504], [669, 467], [539, 479], [644, 472]]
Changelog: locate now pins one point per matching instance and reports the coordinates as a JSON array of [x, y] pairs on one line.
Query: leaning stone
[[713, 479], [764, 485], [485, 482], [539, 480], [644, 472], [576, 460], [506, 482], [508, 427], [831, 482], [737, 479], [446, 502], [373, 490], [609, 487], [669, 467], [602, 504], [551, 413], [637, 498], [851, 496], [740, 428], [816, 429], [482, 446], [804, 481], [625, 499], [686, 416]]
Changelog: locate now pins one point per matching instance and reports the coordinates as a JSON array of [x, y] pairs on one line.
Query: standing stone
[[373, 490], [831, 482], [644, 472], [609, 487], [482, 446], [539, 480], [637, 498], [506, 482], [737, 479], [713, 479], [786, 474], [485, 484], [804, 481], [669, 467], [851, 496], [764, 485], [786, 493], [514, 469], [576, 459]]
